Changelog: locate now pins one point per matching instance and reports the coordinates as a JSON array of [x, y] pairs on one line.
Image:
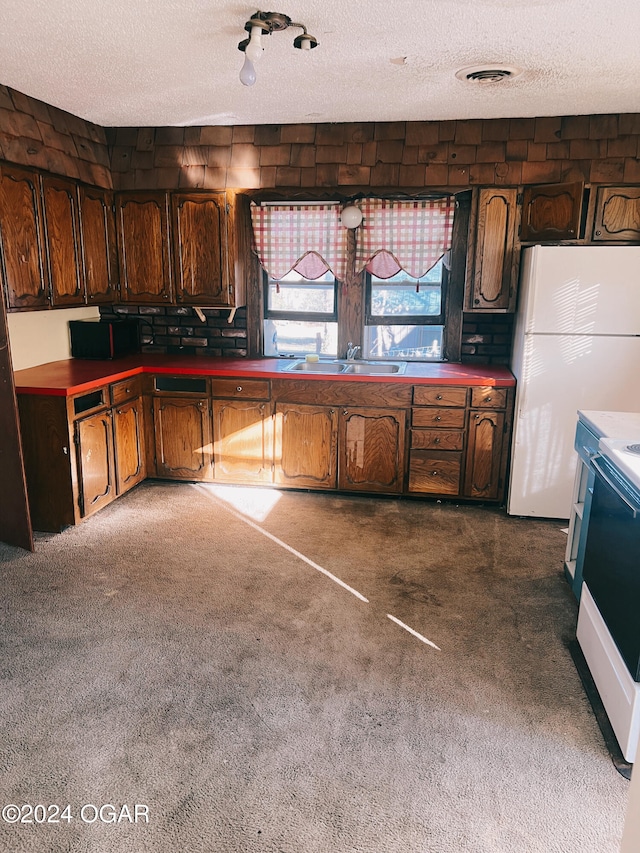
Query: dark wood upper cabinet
[[62, 241], [201, 248], [98, 240], [144, 243], [492, 285], [617, 215], [551, 212], [22, 252]]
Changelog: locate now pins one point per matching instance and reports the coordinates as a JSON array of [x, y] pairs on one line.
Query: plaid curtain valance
[[403, 235], [306, 237], [394, 235]]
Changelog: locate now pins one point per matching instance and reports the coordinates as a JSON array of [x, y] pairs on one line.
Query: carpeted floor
[[296, 672]]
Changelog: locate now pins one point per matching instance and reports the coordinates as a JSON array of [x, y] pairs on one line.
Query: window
[[300, 315], [405, 316], [308, 307]]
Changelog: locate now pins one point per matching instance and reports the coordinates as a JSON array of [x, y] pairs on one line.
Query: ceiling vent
[[488, 73]]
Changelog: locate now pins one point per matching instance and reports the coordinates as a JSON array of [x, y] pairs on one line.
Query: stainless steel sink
[[317, 366], [373, 368], [364, 368]]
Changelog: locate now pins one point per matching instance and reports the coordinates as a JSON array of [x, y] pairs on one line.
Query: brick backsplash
[[486, 338], [178, 329]]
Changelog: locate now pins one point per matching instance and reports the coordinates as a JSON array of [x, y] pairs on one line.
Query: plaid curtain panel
[[307, 237], [415, 233]]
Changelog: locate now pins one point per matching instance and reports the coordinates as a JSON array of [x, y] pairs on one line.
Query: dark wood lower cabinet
[[182, 428], [80, 453], [128, 435], [83, 451], [484, 455], [96, 464], [306, 445], [371, 449], [324, 447], [243, 441]]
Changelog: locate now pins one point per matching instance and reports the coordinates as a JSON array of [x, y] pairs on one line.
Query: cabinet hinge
[[227, 208], [519, 198], [76, 438]]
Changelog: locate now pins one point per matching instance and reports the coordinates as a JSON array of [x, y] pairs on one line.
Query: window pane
[[294, 293], [403, 342], [299, 337], [403, 296]]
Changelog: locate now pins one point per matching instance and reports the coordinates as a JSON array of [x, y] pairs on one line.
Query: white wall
[[37, 337]]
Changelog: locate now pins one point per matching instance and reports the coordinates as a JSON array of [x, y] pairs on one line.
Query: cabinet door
[[551, 212], [371, 455], [617, 214], [243, 441], [62, 240], [128, 435], [495, 272], [96, 475], [21, 240], [484, 455], [98, 242], [306, 445], [200, 239], [183, 438], [144, 241]]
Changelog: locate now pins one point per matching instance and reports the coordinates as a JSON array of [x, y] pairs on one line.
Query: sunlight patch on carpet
[[210, 491], [254, 503], [413, 633]]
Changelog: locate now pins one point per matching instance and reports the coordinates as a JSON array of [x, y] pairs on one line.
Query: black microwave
[[104, 338]]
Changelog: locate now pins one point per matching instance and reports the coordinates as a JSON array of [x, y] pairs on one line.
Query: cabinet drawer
[[439, 395], [181, 384], [489, 398], [435, 474], [438, 418], [128, 389], [250, 389], [437, 439], [90, 401]]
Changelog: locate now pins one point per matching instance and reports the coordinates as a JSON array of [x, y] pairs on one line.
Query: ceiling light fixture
[[263, 24]]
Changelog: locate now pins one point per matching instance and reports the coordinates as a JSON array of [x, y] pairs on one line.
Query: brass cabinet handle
[[239, 388], [436, 441], [437, 418]]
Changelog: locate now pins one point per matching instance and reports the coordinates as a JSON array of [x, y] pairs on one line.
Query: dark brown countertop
[[73, 376]]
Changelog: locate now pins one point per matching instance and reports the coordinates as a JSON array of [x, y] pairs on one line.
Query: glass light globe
[[247, 72], [351, 216]]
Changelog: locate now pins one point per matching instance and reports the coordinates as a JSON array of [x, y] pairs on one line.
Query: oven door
[[612, 559]]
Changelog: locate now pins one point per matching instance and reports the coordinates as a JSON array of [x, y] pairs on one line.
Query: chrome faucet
[[352, 351]]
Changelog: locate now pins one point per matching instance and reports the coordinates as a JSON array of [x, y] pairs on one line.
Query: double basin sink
[[343, 366]]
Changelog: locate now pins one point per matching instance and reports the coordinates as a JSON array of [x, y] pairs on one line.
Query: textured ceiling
[[176, 62]]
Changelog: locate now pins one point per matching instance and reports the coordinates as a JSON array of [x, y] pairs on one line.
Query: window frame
[[407, 319], [310, 316]]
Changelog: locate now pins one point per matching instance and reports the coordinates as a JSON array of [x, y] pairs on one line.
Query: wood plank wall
[[399, 155], [33, 133], [350, 157]]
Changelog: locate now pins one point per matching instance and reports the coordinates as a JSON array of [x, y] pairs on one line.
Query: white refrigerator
[[576, 346]]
